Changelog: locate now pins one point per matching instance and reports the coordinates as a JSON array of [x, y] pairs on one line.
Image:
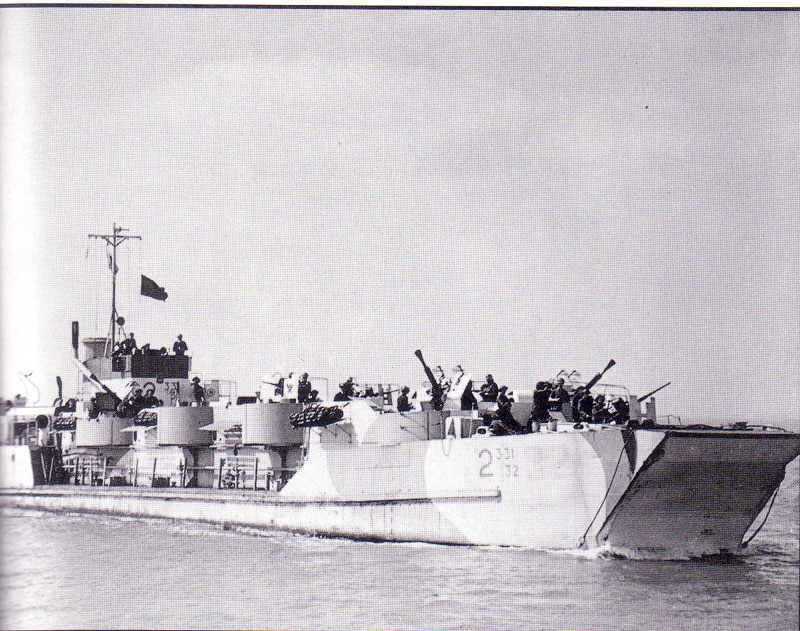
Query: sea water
[[88, 571]]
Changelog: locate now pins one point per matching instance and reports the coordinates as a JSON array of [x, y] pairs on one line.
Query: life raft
[[316, 416]]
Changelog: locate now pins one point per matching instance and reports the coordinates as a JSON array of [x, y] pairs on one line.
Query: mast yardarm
[[114, 240]]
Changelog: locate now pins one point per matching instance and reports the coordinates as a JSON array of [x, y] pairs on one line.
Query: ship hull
[[644, 494]]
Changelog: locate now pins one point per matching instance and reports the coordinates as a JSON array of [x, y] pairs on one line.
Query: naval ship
[[144, 438]]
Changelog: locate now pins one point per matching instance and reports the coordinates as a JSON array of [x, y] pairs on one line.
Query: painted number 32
[[487, 458]]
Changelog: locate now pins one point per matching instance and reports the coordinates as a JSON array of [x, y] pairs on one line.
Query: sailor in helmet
[[128, 345], [600, 413], [198, 391], [349, 388], [489, 390], [403, 404], [344, 393], [622, 411], [503, 421], [180, 347], [303, 388]]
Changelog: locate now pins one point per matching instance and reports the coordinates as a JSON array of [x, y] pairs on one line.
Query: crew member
[[444, 382], [585, 407], [489, 390], [344, 393], [303, 389], [42, 423], [468, 400], [558, 396], [540, 405], [180, 347], [290, 388], [622, 411], [131, 404], [504, 421], [198, 391], [128, 345], [403, 404], [348, 388], [138, 400], [575, 410], [599, 410], [150, 400]]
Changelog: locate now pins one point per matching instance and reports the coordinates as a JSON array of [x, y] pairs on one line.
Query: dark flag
[[152, 290]]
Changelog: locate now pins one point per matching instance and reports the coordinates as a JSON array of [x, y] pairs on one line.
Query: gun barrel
[[437, 393], [599, 375], [652, 392], [95, 380], [428, 372]]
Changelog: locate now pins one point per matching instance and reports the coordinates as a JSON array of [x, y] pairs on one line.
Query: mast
[[114, 240]]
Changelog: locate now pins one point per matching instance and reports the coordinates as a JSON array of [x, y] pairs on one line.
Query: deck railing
[[85, 469], [245, 472]]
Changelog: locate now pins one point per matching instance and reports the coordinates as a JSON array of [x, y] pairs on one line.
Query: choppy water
[[80, 571]]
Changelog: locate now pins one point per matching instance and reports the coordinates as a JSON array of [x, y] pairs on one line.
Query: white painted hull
[[550, 491], [538, 490]]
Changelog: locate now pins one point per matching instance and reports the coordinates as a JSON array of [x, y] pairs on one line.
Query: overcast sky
[[517, 192]]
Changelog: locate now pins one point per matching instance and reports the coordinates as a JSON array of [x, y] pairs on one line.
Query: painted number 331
[[487, 458]]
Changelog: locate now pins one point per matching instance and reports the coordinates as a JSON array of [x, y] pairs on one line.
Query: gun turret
[[599, 375], [652, 392], [437, 394]]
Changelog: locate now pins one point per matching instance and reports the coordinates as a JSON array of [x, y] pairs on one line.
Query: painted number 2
[[485, 467], [486, 458]]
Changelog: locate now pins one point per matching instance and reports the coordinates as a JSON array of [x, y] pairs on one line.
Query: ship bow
[[697, 493]]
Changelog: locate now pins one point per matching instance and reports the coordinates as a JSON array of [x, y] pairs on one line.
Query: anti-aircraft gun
[[437, 393], [95, 380], [599, 376], [652, 392]]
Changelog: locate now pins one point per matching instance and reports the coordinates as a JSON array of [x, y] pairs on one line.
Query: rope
[[753, 536], [582, 541]]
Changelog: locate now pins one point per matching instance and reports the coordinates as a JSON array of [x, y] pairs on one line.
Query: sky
[[517, 192]]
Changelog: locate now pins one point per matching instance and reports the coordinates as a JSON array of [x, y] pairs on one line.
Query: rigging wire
[[582, 540], [766, 517]]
